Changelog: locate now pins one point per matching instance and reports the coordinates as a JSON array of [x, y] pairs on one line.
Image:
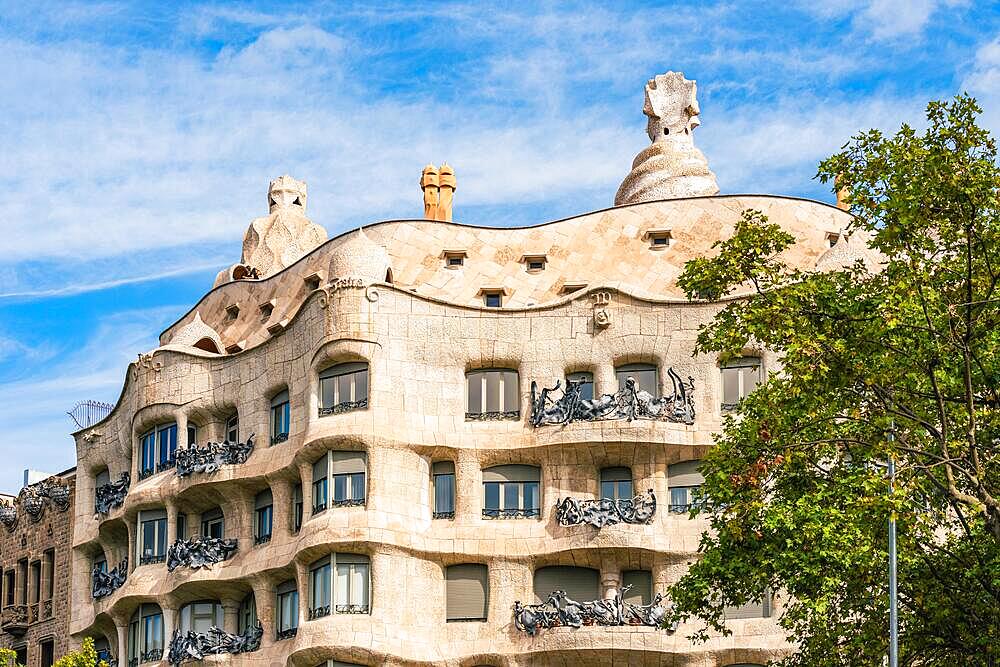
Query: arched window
[[582, 584], [343, 473], [443, 478], [466, 592], [616, 483], [263, 516], [145, 634], [339, 583], [208, 345], [158, 450], [287, 610], [739, 377], [280, 416], [201, 616], [685, 480], [511, 491], [343, 387], [645, 376], [492, 393]]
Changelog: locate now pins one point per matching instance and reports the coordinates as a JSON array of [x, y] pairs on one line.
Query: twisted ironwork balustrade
[[606, 511], [561, 610], [111, 495], [211, 457], [199, 552], [190, 645]]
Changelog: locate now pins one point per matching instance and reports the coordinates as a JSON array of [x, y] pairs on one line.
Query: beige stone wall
[[48, 617], [419, 348]]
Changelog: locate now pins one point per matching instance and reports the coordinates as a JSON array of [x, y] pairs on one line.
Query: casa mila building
[[431, 443]]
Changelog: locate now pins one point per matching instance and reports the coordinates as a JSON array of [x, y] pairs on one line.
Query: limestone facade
[[370, 347], [36, 551]]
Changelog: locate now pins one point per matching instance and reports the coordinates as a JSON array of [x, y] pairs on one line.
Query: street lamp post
[[893, 614]]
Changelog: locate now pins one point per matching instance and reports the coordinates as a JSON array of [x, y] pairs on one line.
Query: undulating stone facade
[[428, 443]]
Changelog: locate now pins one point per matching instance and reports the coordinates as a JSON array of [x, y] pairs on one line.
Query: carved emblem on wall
[[606, 511], [106, 583], [602, 314], [33, 500], [211, 457], [111, 495], [191, 645], [561, 610], [199, 552], [628, 403]]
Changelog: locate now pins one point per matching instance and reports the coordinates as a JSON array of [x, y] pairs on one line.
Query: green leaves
[[797, 495]]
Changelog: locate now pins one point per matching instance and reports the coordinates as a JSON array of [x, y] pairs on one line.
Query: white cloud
[[883, 19]]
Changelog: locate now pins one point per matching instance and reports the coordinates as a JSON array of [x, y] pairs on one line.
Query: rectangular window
[[213, 524], [492, 392], [288, 610], [263, 525], [616, 483], [153, 536], [739, 378], [181, 526], [644, 375], [152, 634], [192, 434], [466, 592], [585, 381], [280, 416], [493, 299], [511, 491], [148, 454], [343, 387], [297, 508], [319, 589], [233, 429], [48, 653], [444, 490], [166, 437], [351, 585]]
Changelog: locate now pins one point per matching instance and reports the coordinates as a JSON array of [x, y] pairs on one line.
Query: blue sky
[[138, 138]]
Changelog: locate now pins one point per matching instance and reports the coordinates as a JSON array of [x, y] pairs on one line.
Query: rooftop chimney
[[438, 185]]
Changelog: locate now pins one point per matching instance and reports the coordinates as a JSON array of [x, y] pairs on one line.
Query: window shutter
[[343, 369], [467, 588], [685, 473], [511, 473], [287, 587], [582, 584], [279, 398], [152, 515], [642, 586], [263, 499], [348, 462], [319, 468], [212, 514], [616, 475], [443, 468], [759, 609], [350, 558]]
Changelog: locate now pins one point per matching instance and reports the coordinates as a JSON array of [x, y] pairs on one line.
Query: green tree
[[85, 657], [902, 361], [8, 658]]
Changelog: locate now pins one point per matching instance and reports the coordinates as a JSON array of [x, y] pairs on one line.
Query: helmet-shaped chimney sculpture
[[671, 167]]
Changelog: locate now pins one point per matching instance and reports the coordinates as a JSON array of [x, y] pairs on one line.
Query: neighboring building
[[432, 434], [36, 539]]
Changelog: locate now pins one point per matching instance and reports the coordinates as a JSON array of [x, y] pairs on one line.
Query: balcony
[[318, 612], [502, 415], [152, 655], [210, 458], [287, 633], [152, 559], [279, 438], [185, 646], [606, 511], [106, 583], [443, 515], [166, 465], [629, 403], [14, 619], [346, 406], [112, 495], [561, 610], [351, 609], [199, 552]]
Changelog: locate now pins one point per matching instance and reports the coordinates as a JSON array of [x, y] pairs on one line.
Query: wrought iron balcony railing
[[111, 495], [166, 465], [495, 416], [443, 515], [629, 403], [212, 456], [606, 511], [262, 539], [347, 502], [199, 552], [185, 646], [146, 473], [497, 513], [346, 406], [351, 609], [106, 583], [318, 612], [279, 438], [152, 655], [152, 559], [287, 633], [561, 610]]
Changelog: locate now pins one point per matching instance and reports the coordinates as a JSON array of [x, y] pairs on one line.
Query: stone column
[[172, 535], [121, 650], [231, 615], [182, 429], [264, 597], [302, 583], [305, 474], [468, 486], [169, 623], [133, 551], [239, 513], [282, 512], [611, 577]]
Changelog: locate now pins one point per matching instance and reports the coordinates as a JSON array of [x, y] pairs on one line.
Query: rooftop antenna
[[88, 413]]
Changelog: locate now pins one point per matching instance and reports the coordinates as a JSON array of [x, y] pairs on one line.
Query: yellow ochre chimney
[[438, 186]]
